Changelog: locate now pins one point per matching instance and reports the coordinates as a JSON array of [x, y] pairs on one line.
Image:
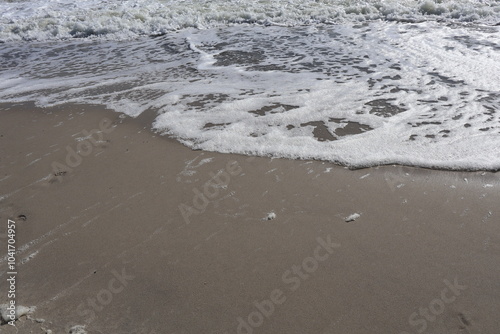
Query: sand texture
[[121, 230]]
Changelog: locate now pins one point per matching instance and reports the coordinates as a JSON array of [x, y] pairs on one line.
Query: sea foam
[[358, 94], [114, 19]]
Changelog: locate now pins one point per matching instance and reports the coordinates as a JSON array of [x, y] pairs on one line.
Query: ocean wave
[[423, 94], [120, 20]]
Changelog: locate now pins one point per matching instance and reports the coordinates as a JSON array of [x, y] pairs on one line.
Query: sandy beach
[[121, 230]]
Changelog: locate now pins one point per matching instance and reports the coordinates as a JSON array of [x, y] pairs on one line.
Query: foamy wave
[[64, 19], [421, 94]]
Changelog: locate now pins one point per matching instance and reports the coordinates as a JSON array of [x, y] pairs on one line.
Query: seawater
[[360, 83]]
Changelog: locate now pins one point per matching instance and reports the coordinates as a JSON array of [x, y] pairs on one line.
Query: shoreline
[[144, 235]]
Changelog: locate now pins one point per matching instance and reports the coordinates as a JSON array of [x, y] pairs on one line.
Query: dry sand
[[105, 245]]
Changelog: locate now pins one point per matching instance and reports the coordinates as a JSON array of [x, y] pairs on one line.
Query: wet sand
[[127, 231]]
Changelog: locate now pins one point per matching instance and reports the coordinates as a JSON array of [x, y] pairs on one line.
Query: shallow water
[[357, 93]]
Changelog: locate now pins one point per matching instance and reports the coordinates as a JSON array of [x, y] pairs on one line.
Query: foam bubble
[[360, 95], [114, 19]]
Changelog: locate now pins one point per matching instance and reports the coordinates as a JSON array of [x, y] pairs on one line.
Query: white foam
[[421, 94], [66, 19]]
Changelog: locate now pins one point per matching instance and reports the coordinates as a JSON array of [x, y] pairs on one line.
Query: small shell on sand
[[352, 217], [78, 329], [20, 311], [270, 216]]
